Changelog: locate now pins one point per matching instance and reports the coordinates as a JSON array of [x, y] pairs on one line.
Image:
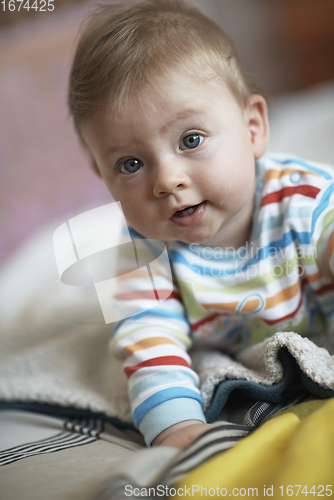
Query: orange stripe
[[146, 343], [277, 174], [250, 305], [123, 276], [253, 304], [314, 277], [292, 314], [139, 295], [229, 306], [141, 272], [282, 296]]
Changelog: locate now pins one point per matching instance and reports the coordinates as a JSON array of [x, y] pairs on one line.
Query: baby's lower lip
[[189, 220]]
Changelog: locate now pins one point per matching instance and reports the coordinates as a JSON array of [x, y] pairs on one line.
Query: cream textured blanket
[[54, 349]]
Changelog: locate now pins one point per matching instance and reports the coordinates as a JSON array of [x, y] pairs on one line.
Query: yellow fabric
[[294, 448]]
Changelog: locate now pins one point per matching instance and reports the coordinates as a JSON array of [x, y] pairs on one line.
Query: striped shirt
[[280, 280]]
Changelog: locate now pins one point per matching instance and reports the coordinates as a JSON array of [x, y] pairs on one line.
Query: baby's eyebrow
[[183, 115], [180, 116], [116, 148]]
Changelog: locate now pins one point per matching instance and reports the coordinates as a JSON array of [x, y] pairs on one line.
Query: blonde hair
[[124, 48]]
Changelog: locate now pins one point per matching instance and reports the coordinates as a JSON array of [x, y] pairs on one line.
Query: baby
[[179, 136]]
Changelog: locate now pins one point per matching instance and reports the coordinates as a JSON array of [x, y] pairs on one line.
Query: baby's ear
[[258, 125]]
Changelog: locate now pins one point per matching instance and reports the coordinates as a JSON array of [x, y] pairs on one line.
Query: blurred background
[[285, 46]]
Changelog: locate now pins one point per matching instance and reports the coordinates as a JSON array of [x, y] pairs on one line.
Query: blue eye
[[131, 166], [192, 141]]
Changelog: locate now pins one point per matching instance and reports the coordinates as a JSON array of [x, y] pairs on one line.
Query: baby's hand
[[180, 435]]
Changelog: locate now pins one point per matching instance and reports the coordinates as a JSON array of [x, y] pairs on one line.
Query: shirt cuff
[[169, 413]]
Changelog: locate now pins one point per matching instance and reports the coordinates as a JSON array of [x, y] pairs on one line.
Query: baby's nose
[[169, 178]]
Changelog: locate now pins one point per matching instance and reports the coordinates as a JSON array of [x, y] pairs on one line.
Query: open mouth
[[186, 211], [189, 216]]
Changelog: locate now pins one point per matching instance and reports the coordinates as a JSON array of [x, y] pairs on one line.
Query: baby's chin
[[198, 239], [201, 238]]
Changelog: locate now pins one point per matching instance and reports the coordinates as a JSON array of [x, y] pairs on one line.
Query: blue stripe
[[150, 312], [277, 220], [246, 299], [161, 378], [262, 253], [271, 222], [297, 212], [289, 238], [169, 413], [304, 164], [161, 397]]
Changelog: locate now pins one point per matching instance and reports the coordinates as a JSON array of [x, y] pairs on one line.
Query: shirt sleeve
[[152, 339], [321, 277]]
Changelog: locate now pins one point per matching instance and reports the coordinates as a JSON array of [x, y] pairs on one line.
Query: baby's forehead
[[175, 105], [170, 98], [169, 87]]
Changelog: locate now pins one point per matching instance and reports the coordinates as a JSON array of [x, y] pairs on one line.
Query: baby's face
[[182, 161]]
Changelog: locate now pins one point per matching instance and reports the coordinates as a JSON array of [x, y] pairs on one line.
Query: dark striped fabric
[[260, 412], [220, 437], [78, 432], [58, 442]]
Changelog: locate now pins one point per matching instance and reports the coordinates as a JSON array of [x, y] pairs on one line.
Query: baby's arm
[[163, 389], [181, 435]]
